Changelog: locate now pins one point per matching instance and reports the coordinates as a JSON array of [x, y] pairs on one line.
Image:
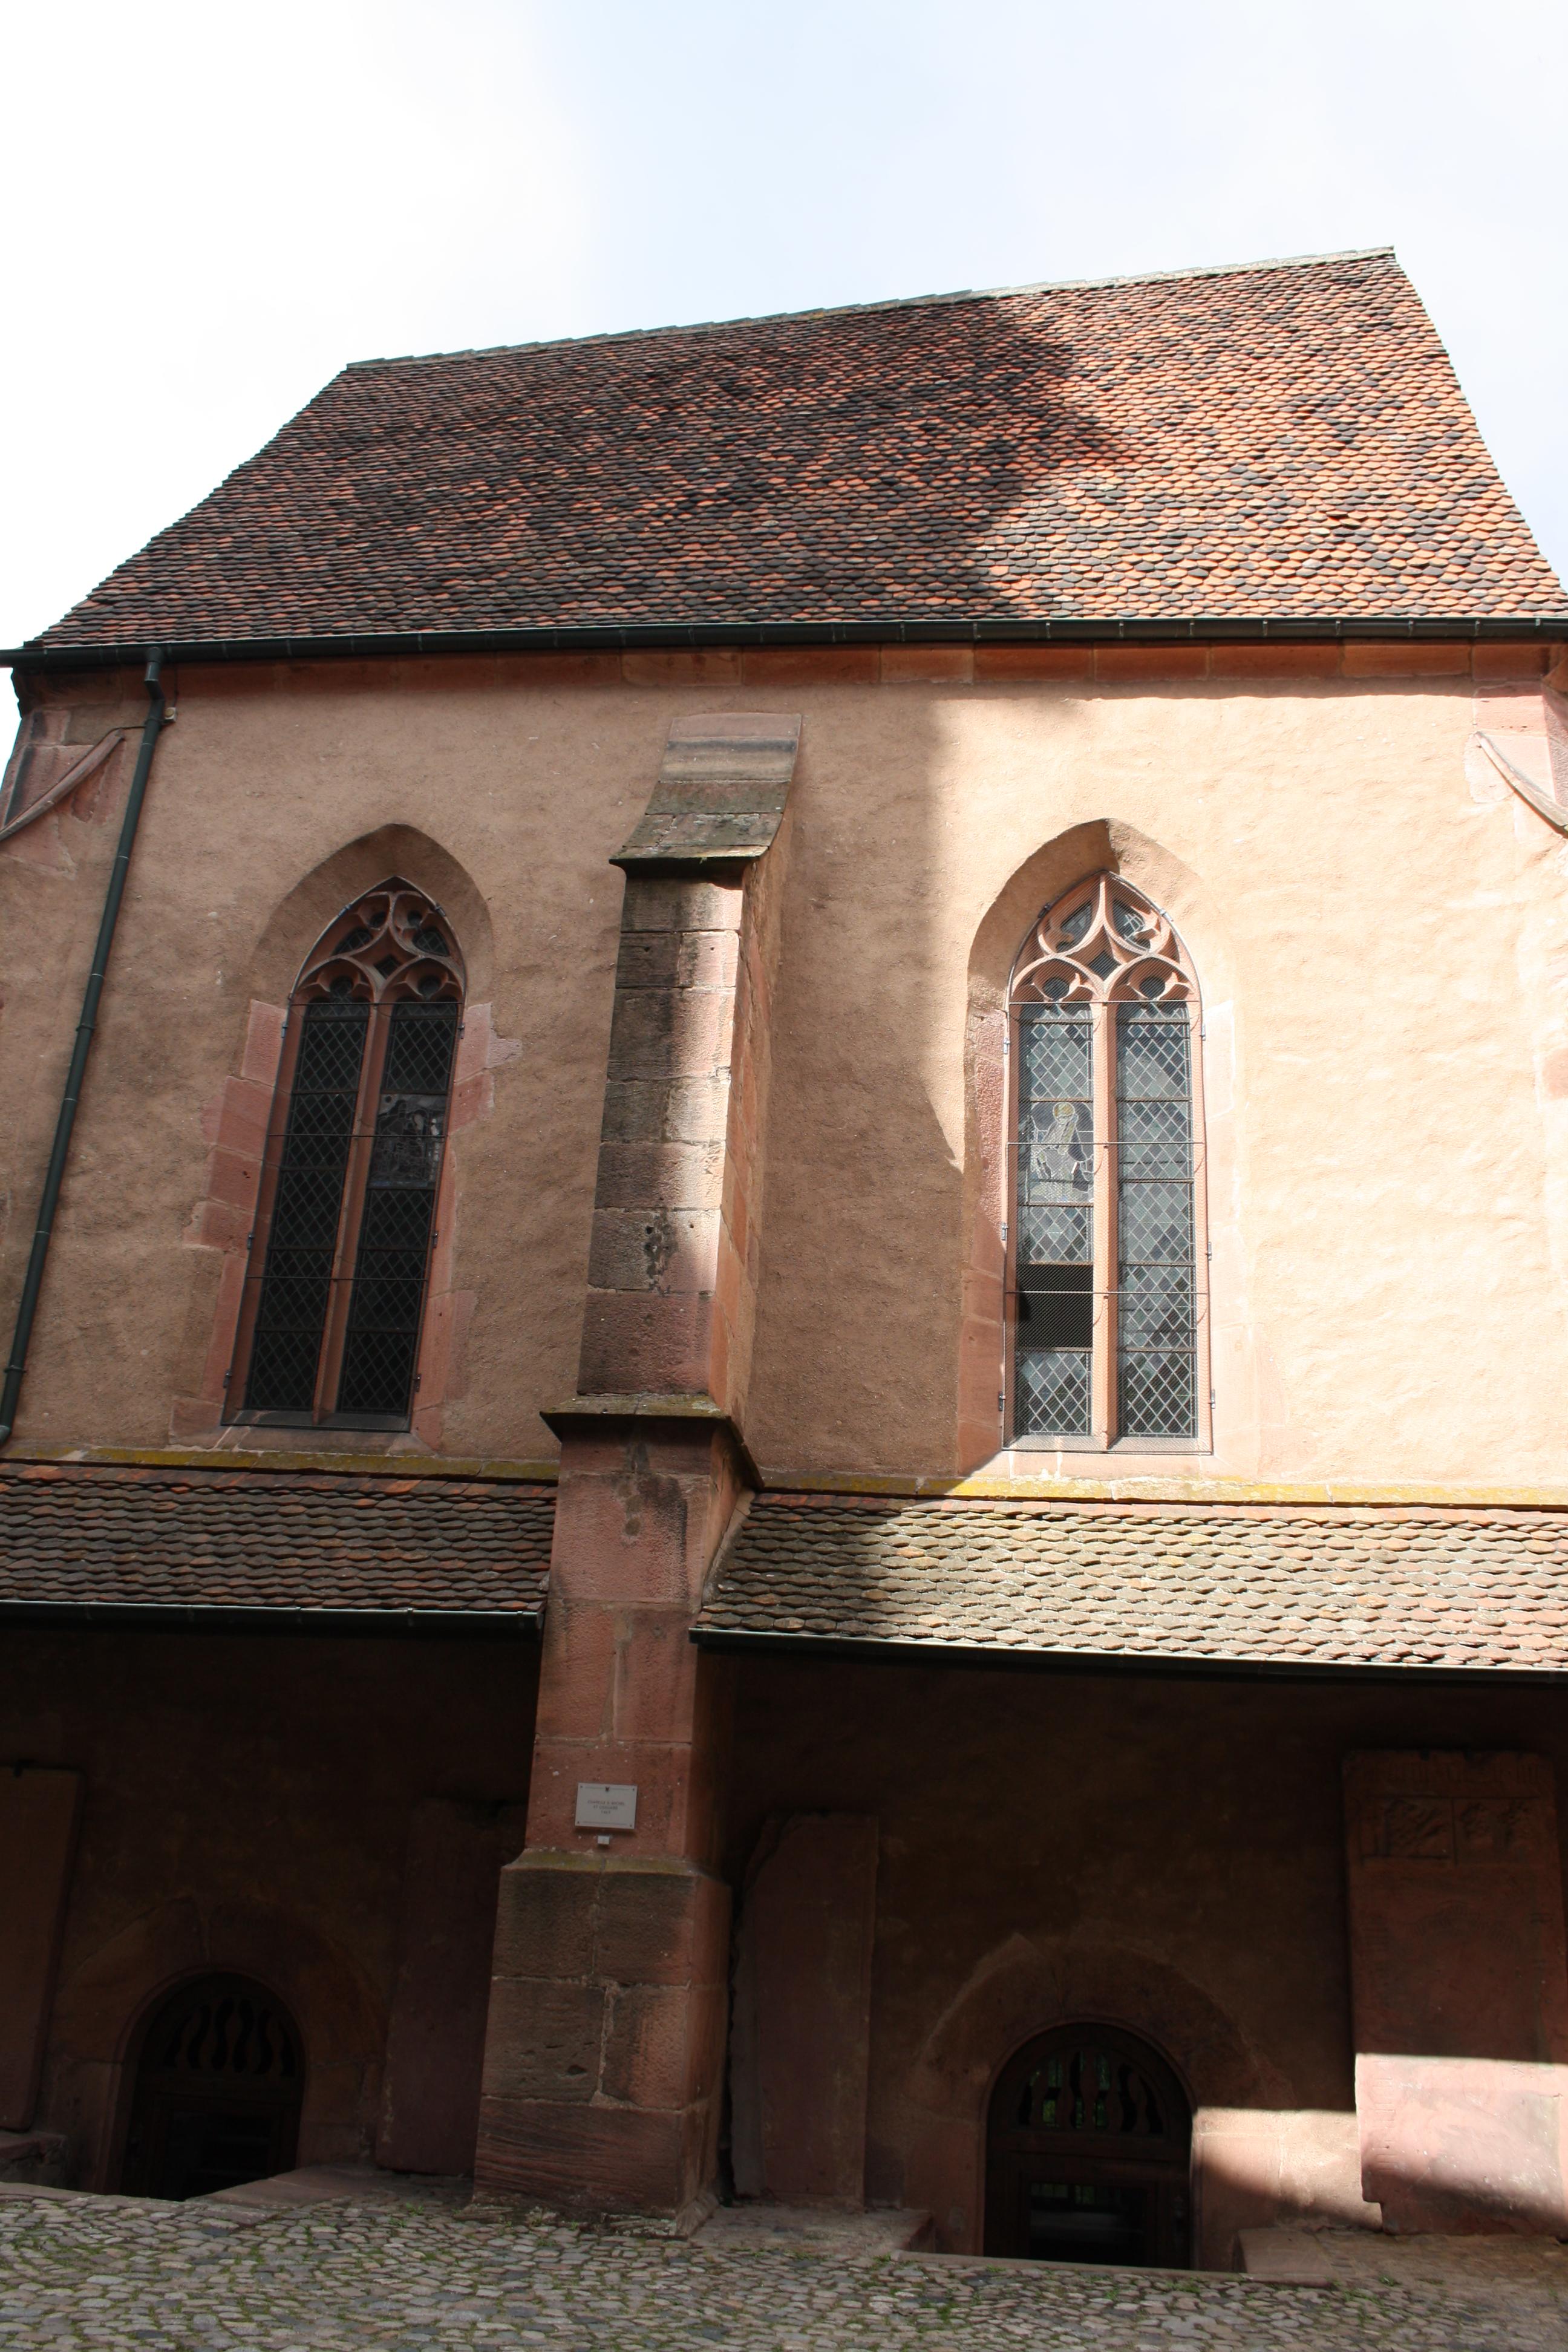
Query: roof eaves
[[1038, 1659], [221, 1617], [622, 636]]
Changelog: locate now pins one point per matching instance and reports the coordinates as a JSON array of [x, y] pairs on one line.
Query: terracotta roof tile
[[119, 1540], [1286, 440], [1241, 1585]]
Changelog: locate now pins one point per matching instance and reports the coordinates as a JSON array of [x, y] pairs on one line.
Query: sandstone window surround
[[346, 1217], [1106, 1219]]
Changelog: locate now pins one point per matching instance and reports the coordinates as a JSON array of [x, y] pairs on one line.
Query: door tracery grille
[[218, 2092], [1105, 1246], [335, 1288], [1088, 2153]]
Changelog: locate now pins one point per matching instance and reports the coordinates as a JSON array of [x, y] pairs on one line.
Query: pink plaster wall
[[1307, 818]]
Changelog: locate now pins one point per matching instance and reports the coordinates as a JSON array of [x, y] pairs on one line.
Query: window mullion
[[1104, 1365], [329, 1369]]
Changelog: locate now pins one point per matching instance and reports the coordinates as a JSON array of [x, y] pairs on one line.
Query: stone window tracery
[[1107, 1245], [334, 1290]]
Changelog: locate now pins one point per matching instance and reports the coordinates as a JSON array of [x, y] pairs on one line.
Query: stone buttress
[[606, 2046]]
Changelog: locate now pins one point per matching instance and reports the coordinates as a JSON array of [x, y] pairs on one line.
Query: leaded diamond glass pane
[[1056, 1218], [419, 1051], [331, 1048], [1053, 1390], [1159, 1395], [1152, 1050], [378, 1371], [1078, 922], [1156, 1225], [383, 1316], [1128, 920], [1156, 1270], [1154, 1139], [1056, 1048], [382, 1334], [291, 1313], [1054, 1237], [283, 1370], [1157, 1314]]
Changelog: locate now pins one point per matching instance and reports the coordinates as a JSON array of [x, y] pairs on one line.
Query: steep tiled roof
[[251, 1542], [1283, 440], [1315, 1587]]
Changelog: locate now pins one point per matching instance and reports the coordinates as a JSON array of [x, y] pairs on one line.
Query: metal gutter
[[53, 1175], [217, 1617], [1120, 1662], [995, 630]]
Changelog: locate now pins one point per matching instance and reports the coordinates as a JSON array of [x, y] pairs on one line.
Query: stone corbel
[[720, 795]]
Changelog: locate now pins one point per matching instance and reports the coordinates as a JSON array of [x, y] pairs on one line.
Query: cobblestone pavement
[[109, 2276]]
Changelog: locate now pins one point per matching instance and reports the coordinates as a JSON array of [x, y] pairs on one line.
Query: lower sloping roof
[[286, 1549], [1238, 1588]]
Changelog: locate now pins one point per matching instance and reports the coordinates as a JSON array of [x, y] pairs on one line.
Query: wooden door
[[1088, 2153]]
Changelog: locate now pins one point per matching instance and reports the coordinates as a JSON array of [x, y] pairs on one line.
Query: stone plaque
[[606, 1805], [1455, 1902]]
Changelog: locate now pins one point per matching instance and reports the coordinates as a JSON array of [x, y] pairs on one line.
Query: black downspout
[[55, 1176]]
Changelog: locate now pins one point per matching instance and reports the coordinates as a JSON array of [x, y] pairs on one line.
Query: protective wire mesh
[[1156, 1327]]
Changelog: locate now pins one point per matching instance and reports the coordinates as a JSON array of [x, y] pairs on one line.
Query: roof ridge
[[890, 302]]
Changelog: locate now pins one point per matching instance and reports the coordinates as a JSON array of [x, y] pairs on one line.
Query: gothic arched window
[[1106, 1242], [328, 1330]]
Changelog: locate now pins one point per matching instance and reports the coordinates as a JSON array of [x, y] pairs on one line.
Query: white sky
[[212, 207]]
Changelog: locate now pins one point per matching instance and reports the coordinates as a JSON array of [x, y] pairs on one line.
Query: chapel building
[[787, 1418]]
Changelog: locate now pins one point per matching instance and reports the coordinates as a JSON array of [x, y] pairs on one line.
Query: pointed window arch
[[334, 1292], [1108, 1240]]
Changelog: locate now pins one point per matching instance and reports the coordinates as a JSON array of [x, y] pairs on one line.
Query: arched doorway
[[1087, 2152], [217, 2092]]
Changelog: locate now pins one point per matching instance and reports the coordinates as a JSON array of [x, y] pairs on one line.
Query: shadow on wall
[[1022, 1990], [867, 1230], [1485, 2134], [1457, 1954]]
